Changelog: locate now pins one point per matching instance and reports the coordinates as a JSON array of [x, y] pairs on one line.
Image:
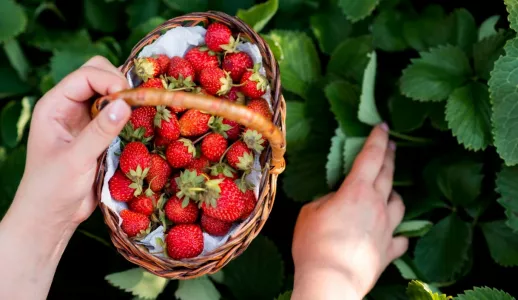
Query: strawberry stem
[[201, 138], [409, 138]]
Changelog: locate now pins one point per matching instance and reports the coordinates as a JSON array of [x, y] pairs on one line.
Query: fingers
[[383, 183], [395, 210], [103, 63], [398, 247], [370, 159], [100, 132]]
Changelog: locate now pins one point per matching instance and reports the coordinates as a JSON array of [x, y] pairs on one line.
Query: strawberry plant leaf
[[488, 27], [387, 31], [353, 146], [507, 188], [421, 205], [50, 40], [284, 296], [297, 126], [484, 293], [231, 6], [140, 31], [406, 114], [356, 10], [388, 292], [430, 29], [13, 120], [103, 16], [436, 111], [188, 6], [140, 11], [436, 74], [442, 253], [468, 113], [257, 273], [11, 85], [197, 288], [17, 58], [487, 51], [349, 59], [259, 15], [275, 47], [13, 20], [502, 243], [414, 228], [344, 99], [330, 28], [13, 165], [300, 67], [512, 9], [406, 268], [138, 282], [460, 180], [418, 290], [367, 111], [502, 89], [465, 34], [335, 159]]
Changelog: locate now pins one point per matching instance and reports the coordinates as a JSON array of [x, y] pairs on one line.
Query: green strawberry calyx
[[162, 113], [253, 140], [217, 125], [244, 185], [190, 146], [222, 168], [246, 161], [144, 68], [211, 194], [132, 134], [226, 84], [190, 185]]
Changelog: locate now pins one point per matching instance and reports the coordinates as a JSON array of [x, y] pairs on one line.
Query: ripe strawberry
[[194, 123], [239, 156], [173, 185], [201, 58], [140, 125], [219, 37], [213, 146], [147, 67], [163, 62], [222, 200], [184, 241], [253, 84], [227, 128], [176, 211], [236, 64], [261, 107], [182, 73], [234, 131], [250, 202], [180, 153], [161, 142], [215, 81], [142, 205], [121, 187], [133, 223], [166, 124], [177, 109], [158, 173], [135, 160], [214, 226], [200, 164], [234, 95], [156, 83], [222, 171]]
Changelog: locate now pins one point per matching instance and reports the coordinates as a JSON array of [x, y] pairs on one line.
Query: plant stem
[[95, 237], [410, 138], [201, 137], [403, 183]]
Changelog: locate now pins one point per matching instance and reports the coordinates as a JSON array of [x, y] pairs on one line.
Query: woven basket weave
[[272, 156]]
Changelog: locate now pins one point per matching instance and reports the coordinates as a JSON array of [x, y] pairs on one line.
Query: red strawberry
[[180, 153], [176, 211], [120, 187], [253, 84], [177, 109], [173, 185], [180, 67], [142, 205], [222, 200], [261, 107], [200, 164], [140, 125], [215, 81], [213, 146], [156, 83], [250, 202], [228, 129], [219, 37], [135, 160], [166, 124], [147, 67], [239, 156], [201, 58], [222, 171], [236, 64], [184, 241], [158, 173], [163, 62], [194, 123], [161, 142], [214, 226], [133, 223], [234, 131], [234, 95]]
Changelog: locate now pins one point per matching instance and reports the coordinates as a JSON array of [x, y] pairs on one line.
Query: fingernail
[[117, 110], [384, 126], [392, 145]]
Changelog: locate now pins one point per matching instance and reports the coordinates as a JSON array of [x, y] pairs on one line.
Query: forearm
[[323, 284], [31, 246]]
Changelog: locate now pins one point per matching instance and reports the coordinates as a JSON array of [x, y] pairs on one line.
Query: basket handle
[[215, 106]]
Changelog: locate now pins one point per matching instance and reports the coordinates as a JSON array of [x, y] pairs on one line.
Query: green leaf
[[50, 40], [468, 113], [488, 27], [418, 290], [138, 282], [12, 20], [259, 15], [436, 111], [405, 268], [356, 10], [335, 158], [142, 30], [344, 99], [349, 59], [140, 11], [330, 28], [503, 92], [435, 75], [46, 83], [103, 16], [388, 292], [421, 205], [512, 220], [465, 34], [284, 296], [387, 31], [367, 112], [13, 120], [414, 228], [13, 165], [353, 146], [512, 9], [406, 114], [257, 273], [275, 47], [188, 6], [63, 62], [297, 125], [11, 85], [430, 29], [197, 288], [442, 253], [507, 188], [487, 51], [485, 293], [502, 243], [230, 6], [460, 180], [17, 58], [300, 67]]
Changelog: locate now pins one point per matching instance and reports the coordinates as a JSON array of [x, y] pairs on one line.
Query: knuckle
[[96, 60]]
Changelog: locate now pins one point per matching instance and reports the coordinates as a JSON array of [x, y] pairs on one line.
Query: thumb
[[101, 131]]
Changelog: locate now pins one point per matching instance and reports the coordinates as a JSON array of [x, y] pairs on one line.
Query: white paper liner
[[176, 42]]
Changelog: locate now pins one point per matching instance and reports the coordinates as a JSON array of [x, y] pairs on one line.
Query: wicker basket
[[272, 156]]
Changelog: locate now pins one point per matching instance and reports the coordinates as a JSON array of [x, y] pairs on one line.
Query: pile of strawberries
[[186, 169]]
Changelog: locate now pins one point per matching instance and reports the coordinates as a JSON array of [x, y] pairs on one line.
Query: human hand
[[344, 240]]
